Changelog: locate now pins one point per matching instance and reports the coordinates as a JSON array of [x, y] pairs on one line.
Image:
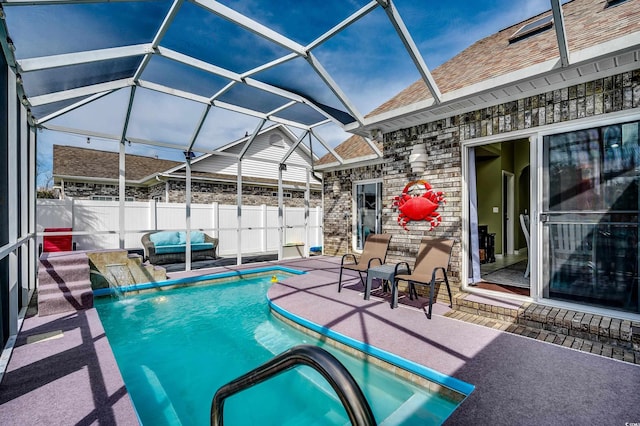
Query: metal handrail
[[327, 365]]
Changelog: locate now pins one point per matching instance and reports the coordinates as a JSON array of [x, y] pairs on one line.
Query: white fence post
[[153, 215], [319, 227], [215, 213], [263, 224]]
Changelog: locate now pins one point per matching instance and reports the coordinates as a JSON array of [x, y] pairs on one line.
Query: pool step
[[63, 283], [276, 342]]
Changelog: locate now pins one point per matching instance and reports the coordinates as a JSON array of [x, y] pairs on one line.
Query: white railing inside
[[96, 226]]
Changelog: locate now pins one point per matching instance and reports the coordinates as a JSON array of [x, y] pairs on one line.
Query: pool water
[[176, 347]]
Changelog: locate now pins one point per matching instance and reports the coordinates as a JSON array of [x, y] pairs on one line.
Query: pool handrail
[[327, 365]]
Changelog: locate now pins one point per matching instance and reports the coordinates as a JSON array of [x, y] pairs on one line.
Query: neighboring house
[[84, 173], [520, 125]]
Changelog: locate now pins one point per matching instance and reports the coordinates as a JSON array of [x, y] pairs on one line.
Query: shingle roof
[[587, 24], [71, 161], [354, 147], [91, 163]]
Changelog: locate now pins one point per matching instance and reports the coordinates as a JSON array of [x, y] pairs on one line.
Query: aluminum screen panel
[[183, 77], [163, 118], [200, 34], [74, 76], [53, 29], [305, 21]]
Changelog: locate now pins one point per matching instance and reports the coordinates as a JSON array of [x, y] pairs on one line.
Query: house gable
[[262, 158]]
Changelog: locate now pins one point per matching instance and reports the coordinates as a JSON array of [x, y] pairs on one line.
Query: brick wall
[[337, 221], [201, 193], [84, 191], [252, 195], [444, 168]]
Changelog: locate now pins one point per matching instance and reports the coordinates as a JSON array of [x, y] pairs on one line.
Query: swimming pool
[[176, 347]]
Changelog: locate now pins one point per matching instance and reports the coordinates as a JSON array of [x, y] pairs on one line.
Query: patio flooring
[[518, 380]]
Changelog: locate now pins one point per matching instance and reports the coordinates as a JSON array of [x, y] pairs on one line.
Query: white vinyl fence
[[95, 223]]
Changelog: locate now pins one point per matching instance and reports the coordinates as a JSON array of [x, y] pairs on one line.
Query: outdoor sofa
[[162, 247]]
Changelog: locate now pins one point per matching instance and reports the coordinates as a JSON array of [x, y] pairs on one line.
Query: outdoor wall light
[[283, 167], [335, 188], [418, 158]]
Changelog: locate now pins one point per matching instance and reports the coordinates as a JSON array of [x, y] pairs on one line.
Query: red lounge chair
[[51, 243]]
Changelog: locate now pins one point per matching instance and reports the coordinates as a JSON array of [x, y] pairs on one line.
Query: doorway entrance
[[501, 190]]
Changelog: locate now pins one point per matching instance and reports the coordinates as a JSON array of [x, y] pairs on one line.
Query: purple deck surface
[[74, 379], [63, 372], [518, 380]]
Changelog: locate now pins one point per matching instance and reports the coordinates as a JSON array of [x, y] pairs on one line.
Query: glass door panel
[[590, 216], [369, 209]]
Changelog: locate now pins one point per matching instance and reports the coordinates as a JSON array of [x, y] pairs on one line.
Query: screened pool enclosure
[[182, 79]]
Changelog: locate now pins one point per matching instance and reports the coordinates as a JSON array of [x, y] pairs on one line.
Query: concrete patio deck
[[51, 380]]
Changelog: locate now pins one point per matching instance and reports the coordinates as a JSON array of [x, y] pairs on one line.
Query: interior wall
[[491, 160], [523, 187], [489, 186]]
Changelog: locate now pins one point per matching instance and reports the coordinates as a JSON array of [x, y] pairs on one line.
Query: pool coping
[[459, 386], [154, 285]]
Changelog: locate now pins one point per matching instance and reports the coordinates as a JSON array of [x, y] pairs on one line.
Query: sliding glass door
[[590, 217]]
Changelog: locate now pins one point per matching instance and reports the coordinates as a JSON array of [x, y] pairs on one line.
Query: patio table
[[384, 272]]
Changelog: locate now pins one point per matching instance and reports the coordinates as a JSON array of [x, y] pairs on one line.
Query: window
[[368, 217], [109, 198], [284, 194], [611, 3], [532, 28]]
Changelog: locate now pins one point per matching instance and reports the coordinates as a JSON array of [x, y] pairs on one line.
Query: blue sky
[[367, 61]]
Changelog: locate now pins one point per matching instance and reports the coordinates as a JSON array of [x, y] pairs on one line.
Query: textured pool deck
[[62, 370]]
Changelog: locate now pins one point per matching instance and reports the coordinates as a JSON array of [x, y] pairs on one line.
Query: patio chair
[[433, 257], [374, 253], [54, 243]]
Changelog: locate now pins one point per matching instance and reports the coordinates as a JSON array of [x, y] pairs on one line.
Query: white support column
[[121, 194], [307, 195], [187, 254], [33, 184], [280, 215], [24, 207], [72, 209], [122, 189], [12, 198], [239, 213], [264, 225]]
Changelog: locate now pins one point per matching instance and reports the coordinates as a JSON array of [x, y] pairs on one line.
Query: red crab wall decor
[[419, 207]]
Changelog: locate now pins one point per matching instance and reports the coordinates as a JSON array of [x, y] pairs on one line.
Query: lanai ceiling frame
[[249, 78]]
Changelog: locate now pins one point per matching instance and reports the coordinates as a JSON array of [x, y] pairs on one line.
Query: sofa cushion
[[164, 238], [181, 248], [197, 237]]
